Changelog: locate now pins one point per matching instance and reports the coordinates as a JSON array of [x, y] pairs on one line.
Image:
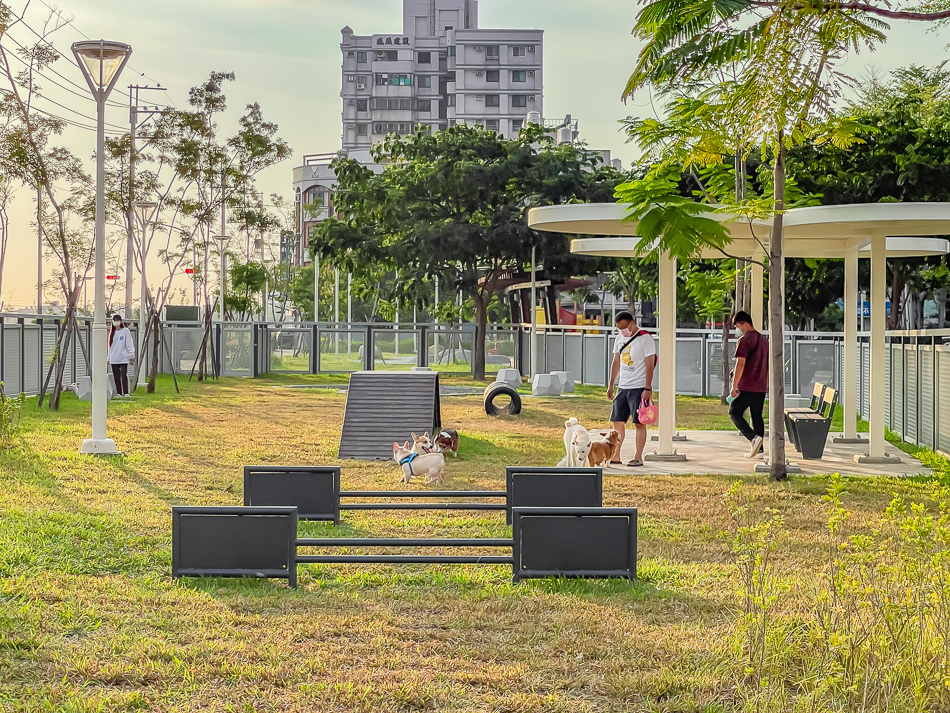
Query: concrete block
[[512, 377], [567, 382], [796, 401], [545, 385], [420, 368]]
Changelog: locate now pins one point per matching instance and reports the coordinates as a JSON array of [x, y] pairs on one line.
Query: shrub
[[10, 410]]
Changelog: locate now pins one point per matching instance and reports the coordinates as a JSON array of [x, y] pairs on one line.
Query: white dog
[[430, 465], [576, 444]]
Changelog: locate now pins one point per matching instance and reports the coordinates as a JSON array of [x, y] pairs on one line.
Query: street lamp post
[[101, 63], [222, 241], [144, 212]]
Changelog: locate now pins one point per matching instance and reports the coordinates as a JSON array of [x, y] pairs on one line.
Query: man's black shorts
[[626, 403]]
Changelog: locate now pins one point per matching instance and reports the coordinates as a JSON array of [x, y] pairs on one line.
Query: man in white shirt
[[632, 371]]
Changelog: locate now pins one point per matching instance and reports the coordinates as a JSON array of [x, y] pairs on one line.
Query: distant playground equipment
[[559, 526], [386, 406]]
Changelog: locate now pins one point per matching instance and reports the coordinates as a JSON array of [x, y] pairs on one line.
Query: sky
[[287, 58]]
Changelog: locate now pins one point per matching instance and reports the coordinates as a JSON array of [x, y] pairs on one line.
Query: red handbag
[[648, 413]]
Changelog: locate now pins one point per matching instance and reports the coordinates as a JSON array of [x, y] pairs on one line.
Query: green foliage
[[874, 636], [902, 154], [452, 204], [678, 224], [11, 408]]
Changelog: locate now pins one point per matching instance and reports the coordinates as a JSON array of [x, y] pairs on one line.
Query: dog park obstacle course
[[383, 407], [512, 377], [559, 526], [553, 487], [545, 385], [234, 542], [567, 382], [501, 388], [574, 542], [313, 490]]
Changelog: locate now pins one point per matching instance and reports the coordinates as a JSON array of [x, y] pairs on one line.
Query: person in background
[[121, 354], [750, 382], [634, 361]]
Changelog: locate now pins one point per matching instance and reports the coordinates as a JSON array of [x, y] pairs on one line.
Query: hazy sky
[[286, 55]]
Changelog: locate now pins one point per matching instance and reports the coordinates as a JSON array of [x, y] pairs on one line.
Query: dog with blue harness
[[431, 466]]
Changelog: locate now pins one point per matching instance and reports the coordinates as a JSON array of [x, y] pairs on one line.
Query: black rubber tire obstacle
[[500, 388]]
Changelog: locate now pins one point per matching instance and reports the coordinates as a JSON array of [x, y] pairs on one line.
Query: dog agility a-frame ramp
[[383, 407]]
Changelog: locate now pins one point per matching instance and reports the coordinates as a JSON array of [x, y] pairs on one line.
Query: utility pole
[[134, 124]]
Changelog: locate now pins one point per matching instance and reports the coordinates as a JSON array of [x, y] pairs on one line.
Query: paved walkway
[[710, 452]]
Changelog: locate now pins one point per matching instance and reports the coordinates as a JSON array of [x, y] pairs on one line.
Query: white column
[[534, 314], [849, 397], [878, 443], [100, 443], [667, 391], [758, 294]]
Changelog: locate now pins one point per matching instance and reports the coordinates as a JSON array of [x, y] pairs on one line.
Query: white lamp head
[[101, 62], [144, 210], [222, 241]]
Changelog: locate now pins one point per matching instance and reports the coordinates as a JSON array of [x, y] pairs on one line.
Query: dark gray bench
[[813, 407], [809, 430]]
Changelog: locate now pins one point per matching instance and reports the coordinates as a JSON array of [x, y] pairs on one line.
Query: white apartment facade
[[443, 69]]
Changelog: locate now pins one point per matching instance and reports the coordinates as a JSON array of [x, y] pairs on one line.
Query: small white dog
[[576, 444], [430, 465]]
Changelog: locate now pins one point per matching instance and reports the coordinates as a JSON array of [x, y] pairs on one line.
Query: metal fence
[[917, 364]]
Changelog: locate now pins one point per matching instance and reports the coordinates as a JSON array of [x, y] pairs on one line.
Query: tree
[[783, 60], [196, 176], [29, 154], [451, 204], [903, 155]]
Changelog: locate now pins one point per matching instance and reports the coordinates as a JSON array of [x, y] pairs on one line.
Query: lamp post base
[[673, 457], [886, 459], [99, 447]]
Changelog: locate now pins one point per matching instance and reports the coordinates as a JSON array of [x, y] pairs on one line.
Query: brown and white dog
[[600, 451], [422, 444], [429, 465], [448, 441]]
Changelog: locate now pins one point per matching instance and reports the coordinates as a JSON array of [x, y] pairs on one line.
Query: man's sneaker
[[756, 447]]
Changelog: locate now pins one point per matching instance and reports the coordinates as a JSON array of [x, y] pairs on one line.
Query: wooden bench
[[809, 430]]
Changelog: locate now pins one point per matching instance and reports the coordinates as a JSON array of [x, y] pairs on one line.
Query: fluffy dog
[[430, 465], [576, 444], [600, 451], [448, 441]]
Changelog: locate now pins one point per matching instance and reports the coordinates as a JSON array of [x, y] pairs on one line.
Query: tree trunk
[[153, 372], [777, 324], [481, 333], [726, 372]]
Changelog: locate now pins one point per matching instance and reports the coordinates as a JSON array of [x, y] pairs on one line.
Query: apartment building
[[441, 70]]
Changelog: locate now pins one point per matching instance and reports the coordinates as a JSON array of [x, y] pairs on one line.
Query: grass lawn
[[90, 619]]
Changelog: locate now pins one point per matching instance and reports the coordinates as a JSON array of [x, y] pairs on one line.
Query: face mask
[[116, 324], [626, 332]]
